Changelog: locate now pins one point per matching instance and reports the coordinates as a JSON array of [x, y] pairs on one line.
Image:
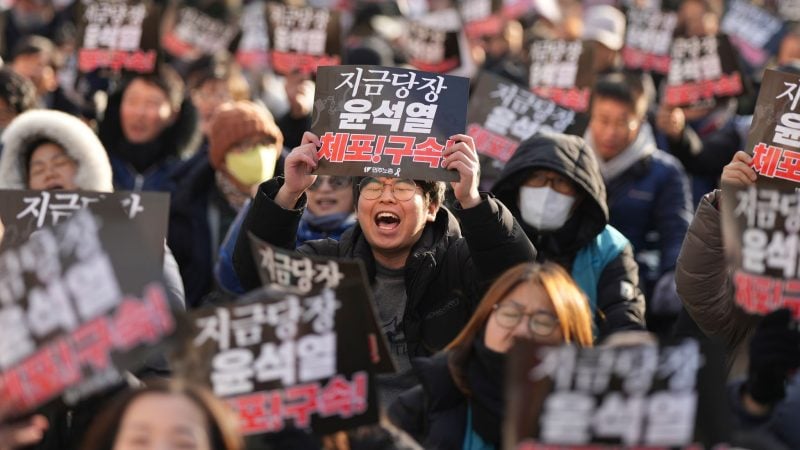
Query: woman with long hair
[[460, 403], [165, 414]]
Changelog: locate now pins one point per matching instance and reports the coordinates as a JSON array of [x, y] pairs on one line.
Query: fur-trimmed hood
[[74, 136]]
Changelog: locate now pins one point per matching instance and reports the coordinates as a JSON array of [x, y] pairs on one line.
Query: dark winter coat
[[620, 304], [434, 412], [446, 273], [650, 204], [176, 142], [704, 283], [190, 231]]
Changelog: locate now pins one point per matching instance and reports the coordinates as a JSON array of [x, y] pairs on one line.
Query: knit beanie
[[237, 122]]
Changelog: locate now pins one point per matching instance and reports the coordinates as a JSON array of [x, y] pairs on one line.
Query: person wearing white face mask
[[554, 188]]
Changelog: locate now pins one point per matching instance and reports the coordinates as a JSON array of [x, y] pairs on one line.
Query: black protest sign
[[562, 71], [190, 34], [774, 138], [761, 224], [754, 31], [481, 17], [23, 212], [701, 70], [385, 121], [432, 49], [79, 305], [253, 50], [284, 358], [641, 396], [303, 38], [503, 114], [289, 270], [648, 38], [118, 35]]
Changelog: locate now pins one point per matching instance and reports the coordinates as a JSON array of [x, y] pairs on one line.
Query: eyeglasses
[[541, 323], [558, 182], [334, 182], [402, 190]]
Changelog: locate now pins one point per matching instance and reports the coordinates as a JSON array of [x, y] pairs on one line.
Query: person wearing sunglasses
[[329, 211], [460, 402], [427, 269]]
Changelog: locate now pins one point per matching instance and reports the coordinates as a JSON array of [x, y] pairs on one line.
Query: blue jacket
[[650, 203], [600, 260]]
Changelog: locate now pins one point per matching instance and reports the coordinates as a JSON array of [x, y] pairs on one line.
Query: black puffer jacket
[[446, 273], [620, 303]]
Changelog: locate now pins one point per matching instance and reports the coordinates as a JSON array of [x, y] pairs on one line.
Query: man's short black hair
[[36, 45], [625, 88], [17, 91]]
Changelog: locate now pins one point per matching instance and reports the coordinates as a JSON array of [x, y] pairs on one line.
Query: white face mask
[[543, 208]]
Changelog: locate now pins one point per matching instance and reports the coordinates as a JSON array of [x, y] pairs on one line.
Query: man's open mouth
[[387, 220]]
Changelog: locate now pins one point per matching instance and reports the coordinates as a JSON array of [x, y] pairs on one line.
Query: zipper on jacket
[[138, 183]]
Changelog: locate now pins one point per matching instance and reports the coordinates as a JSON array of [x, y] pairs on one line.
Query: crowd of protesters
[[572, 240]]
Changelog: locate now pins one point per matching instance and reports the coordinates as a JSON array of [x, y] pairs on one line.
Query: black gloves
[[774, 356]]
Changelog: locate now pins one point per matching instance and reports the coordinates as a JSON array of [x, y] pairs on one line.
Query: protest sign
[[701, 70], [562, 72], [253, 50], [482, 17], [753, 31], [648, 38], [190, 34], [432, 49], [761, 223], [23, 212], [303, 38], [78, 307], [640, 396], [283, 358], [385, 121], [289, 270], [118, 35], [503, 114]]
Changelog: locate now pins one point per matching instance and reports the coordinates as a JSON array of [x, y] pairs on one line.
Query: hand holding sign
[[297, 169], [740, 170], [463, 158]]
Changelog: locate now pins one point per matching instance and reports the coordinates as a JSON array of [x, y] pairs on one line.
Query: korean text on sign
[[584, 407]]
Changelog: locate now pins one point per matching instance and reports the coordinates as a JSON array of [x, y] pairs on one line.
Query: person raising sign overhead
[[426, 276]]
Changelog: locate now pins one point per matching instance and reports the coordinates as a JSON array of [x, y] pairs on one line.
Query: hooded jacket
[[176, 142], [77, 140], [68, 425], [445, 273], [598, 257]]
